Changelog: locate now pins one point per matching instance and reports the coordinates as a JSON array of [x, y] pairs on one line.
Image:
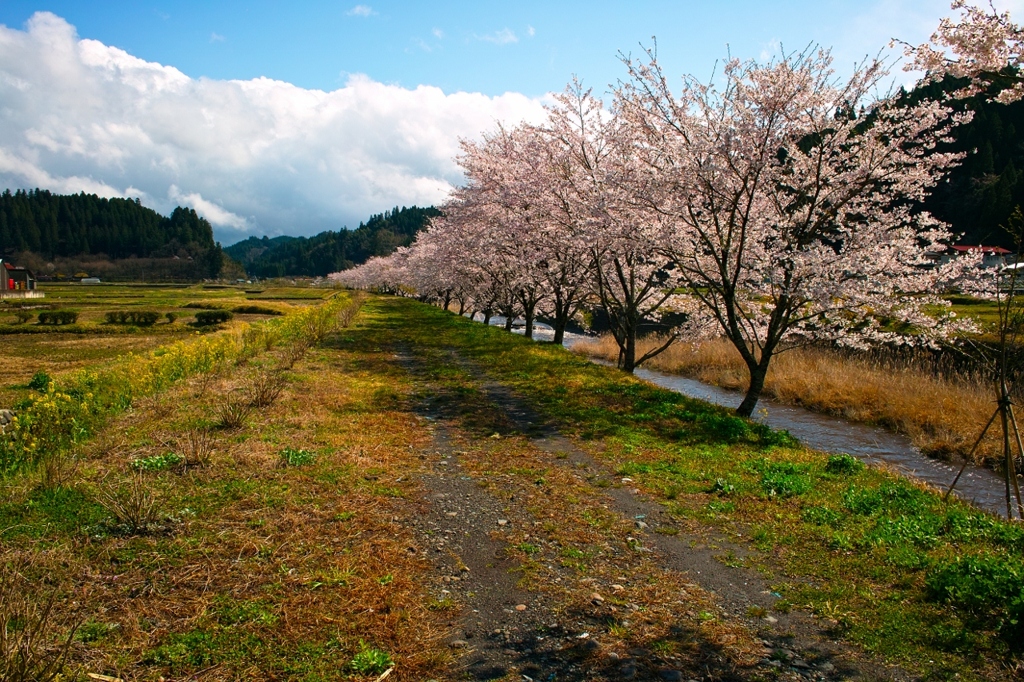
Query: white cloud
[[257, 156], [215, 213], [217, 38], [531, 31], [361, 11], [438, 33], [502, 37]]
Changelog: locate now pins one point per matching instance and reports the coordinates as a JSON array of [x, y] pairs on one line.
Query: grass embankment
[[279, 548], [185, 546], [941, 416], [934, 587]]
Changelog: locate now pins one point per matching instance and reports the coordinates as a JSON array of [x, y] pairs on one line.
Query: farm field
[[406, 490], [30, 347]]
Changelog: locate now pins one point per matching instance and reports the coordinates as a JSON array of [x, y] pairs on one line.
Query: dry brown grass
[[942, 417], [319, 546]]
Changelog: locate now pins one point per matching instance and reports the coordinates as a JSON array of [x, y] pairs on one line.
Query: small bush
[[40, 381], [171, 317], [255, 310], [843, 465], [208, 318], [199, 305], [197, 447], [232, 414], [290, 457], [138, 318], [22, 316], [263, 388], [132, 505], [58, 317], [59, 470]]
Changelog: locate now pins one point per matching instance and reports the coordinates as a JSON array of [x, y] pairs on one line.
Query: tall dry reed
[[942, 416]]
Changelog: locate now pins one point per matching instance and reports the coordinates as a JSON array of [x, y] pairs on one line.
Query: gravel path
[[503, 629]]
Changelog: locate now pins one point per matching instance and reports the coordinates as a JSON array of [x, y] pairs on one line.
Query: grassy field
[[184, 541], [91, 341]]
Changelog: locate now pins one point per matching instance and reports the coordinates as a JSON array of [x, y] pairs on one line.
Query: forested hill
[[55, 225], [979, 195], [331, 251]]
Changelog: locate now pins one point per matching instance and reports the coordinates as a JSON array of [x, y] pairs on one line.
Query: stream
[[982, 487]]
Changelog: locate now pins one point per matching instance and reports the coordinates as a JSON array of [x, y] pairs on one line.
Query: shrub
[[40, 381], [22, 316], [843, 465], [58, 317], [59, 470], [132, 505], [139, 318], [207, 318], [197, 447], [171, 317], [232, 414], [263, 388], [256, 310]]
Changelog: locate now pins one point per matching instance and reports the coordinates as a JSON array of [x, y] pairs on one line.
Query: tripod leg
[[970, 454], [1007, 457], [1020, 449]]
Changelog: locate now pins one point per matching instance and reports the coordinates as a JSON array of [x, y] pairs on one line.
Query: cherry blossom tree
[[787, 201], [630, 274], [979, 45]]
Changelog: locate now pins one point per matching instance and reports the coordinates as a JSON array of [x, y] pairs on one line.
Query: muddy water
[[873, 445]]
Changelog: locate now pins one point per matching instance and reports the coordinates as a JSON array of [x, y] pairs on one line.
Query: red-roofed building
[[991, 256], [16, 282]]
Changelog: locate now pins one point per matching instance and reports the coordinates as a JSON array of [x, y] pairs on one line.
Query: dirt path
[[518, 621]]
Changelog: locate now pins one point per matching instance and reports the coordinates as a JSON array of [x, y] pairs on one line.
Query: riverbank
[[942, 417]]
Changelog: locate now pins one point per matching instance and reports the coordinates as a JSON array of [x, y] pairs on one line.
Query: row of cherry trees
[[775, 204]]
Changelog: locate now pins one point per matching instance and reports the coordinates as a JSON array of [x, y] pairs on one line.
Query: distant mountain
[[331, 251], [41, 226]]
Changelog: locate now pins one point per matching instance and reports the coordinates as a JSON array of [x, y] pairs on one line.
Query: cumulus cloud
[[257, 156], [217, 38], [361, 11]]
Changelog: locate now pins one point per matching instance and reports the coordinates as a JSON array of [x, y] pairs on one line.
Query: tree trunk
[[487, 317], [758, 373], [509, 319], [561, 321], [528, 315], [462, 306], [629, 352]]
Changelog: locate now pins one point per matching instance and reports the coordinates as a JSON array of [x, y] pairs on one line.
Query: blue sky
[[291, 118], [491, 47]]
